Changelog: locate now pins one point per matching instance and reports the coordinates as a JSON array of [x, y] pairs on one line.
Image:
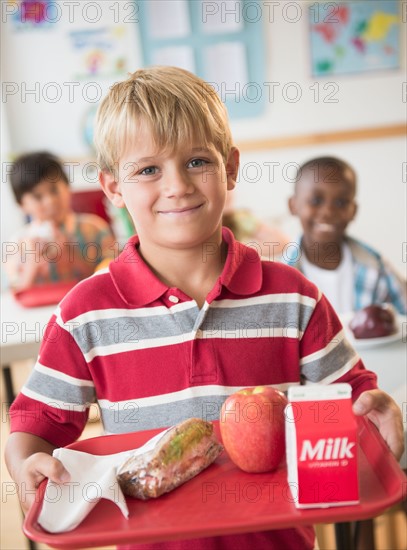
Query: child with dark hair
[[350, 273], [56, 244], [28, 170]]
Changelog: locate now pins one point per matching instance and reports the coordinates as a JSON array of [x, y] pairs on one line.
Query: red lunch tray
[[221, 500], [44, 295]]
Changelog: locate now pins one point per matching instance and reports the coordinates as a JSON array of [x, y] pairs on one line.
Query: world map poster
[[353, 37]]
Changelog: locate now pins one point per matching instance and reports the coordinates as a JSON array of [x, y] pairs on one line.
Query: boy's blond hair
[[174, 104]]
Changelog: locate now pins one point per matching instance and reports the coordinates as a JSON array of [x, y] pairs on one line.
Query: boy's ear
[[111, 188], [292, 206], [232, 167], [355, 210]]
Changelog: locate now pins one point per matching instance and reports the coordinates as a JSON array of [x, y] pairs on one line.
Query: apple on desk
[[252, 425], [374, 321]]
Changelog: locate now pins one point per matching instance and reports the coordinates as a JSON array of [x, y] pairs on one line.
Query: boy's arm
[[23, 267], [383, 411], [327, 357], [50, 411], [29, 461]]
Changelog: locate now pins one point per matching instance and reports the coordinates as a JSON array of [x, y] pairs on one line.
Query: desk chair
[[91, 201], [94, 201]]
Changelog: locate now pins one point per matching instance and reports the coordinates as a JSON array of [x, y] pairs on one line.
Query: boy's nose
[[178, 184], [328, 211], [50, 202]]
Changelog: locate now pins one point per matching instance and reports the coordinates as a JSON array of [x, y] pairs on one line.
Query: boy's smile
[[181, 211], [323, 229]]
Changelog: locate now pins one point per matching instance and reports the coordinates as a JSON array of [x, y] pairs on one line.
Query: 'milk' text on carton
[[327, 449]]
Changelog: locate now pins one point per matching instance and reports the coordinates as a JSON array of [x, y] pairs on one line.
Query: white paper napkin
[[92, 477]]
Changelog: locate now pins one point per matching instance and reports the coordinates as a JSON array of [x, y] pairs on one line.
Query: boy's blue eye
[[149, 171], [197, 163]]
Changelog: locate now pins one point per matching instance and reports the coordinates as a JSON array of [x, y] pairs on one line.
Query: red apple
[[252, 426], [374, 321]]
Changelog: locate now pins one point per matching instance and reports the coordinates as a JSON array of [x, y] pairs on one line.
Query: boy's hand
[[383, 411], [34, 470]]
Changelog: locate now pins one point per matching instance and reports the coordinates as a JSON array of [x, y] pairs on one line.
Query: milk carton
[[322, 446]]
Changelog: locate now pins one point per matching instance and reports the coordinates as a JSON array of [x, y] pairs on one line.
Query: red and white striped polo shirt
[[151, 357]]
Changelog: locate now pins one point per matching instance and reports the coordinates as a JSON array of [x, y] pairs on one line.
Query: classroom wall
[[40, 65]]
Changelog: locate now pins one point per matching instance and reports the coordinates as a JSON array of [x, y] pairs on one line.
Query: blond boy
[[186, 315]]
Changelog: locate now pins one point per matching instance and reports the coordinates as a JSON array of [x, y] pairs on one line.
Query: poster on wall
[[354, 37], [222, 41], [99, 52], [31, 14]]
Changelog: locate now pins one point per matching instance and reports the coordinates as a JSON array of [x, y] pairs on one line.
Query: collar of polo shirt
[[138, 286]]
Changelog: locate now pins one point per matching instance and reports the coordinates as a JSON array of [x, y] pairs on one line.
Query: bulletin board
[[354, 36], [221, 41]]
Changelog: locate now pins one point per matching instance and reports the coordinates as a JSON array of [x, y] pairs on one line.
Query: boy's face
[[175, 197], [47, 201], [324, 201]]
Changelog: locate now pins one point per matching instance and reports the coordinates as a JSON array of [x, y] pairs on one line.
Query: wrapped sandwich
[[180, 454]]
